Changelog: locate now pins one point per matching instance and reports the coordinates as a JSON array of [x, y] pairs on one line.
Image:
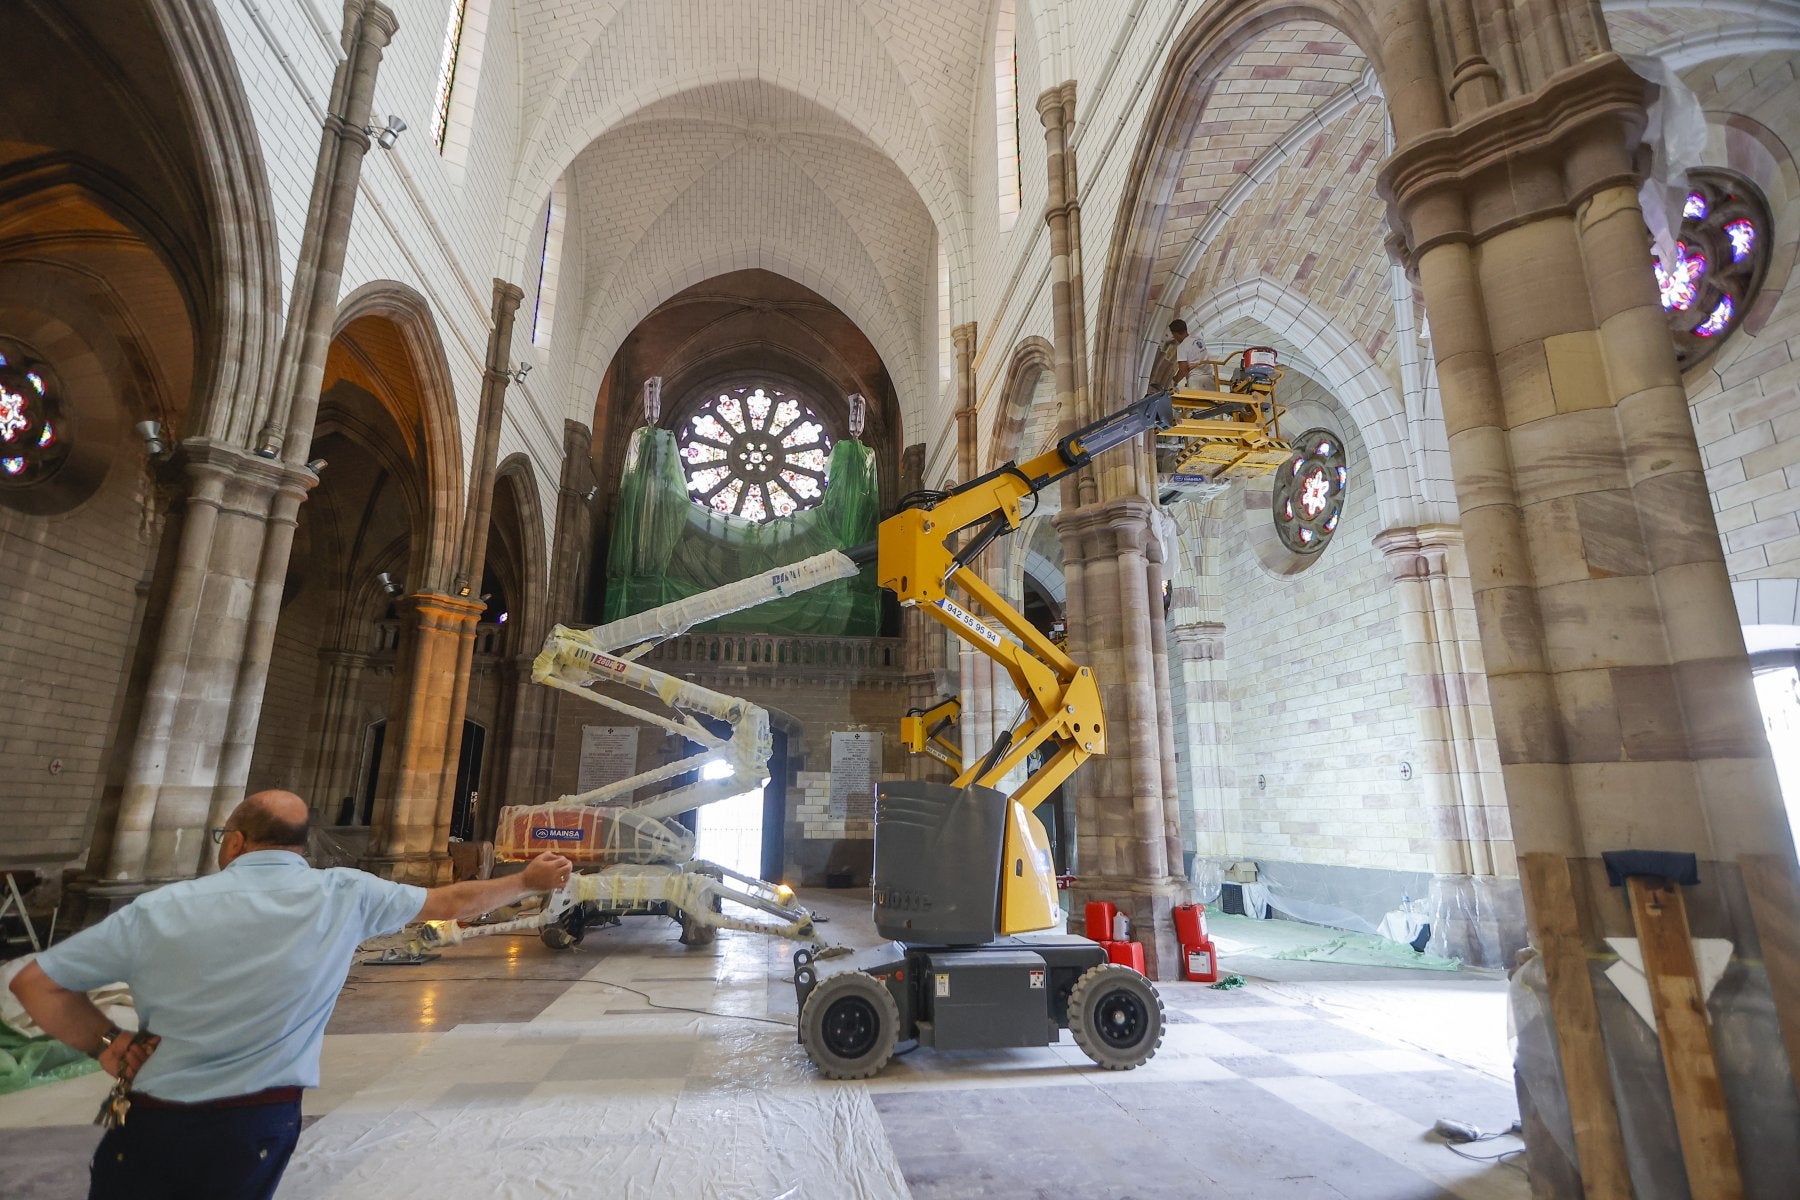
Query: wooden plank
[[1556, 930], [1774, 889], [1685, 1033]]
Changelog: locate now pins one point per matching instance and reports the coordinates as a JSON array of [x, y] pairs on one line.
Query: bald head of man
[[272, 820]]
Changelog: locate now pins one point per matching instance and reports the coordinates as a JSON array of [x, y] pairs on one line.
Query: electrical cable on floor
[[644, 996], [1453, 1132]]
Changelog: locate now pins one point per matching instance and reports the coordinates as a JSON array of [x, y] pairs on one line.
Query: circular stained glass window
[[1309, 491], [1718, 263], [33, 444], [755, 452]]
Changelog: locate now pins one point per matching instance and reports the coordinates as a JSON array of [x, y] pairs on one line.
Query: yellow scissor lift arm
[[918, 561]]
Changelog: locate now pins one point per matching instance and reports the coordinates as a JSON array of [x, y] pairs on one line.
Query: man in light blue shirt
[[236, 974]]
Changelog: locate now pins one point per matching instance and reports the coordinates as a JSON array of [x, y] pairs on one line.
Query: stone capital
[[962, 337], [507, 296], [1418, 552], [435, 611], [1200, 641], [1056, 106], [379, 24], [1520, 160]]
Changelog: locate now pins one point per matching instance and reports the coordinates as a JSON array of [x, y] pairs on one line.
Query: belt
[[274, 1095]]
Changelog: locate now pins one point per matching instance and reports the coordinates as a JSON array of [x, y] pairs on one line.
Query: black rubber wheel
[[850, 1025], [1116, 1017], [694, 933], [566, 932]]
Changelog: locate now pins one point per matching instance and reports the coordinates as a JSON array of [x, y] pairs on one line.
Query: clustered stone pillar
[[412, 822], [339, 734], [1456, 758], [191, 754], [1620, 692], [1201, 681], [1128, 835]]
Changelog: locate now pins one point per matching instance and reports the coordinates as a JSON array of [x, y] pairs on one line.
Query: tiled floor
[[503, 1069]]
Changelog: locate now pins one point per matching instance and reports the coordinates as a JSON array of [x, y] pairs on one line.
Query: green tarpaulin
[[26, 1062], [665, 547]]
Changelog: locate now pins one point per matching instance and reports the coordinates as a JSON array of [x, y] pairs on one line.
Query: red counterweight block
[[1126, 954], [1100, 915]]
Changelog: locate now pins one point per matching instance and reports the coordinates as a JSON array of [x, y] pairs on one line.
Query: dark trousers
[[196, 1154]]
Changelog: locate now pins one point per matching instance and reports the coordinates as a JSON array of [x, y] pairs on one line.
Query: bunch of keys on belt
[[118, 1100]]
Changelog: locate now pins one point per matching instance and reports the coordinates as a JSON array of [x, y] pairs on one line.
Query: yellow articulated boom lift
[[963, 873]]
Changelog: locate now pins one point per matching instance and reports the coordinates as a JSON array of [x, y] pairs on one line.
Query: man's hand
[[545, 873], [127, 1053]]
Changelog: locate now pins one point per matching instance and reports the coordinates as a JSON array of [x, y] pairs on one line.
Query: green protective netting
[[26, 1062], [665, 547]]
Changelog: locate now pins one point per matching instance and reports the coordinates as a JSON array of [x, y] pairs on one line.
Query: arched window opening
[[755, 452], [459, 74], [543, 313], [1718, 263], [34, 438], [1008, 171]]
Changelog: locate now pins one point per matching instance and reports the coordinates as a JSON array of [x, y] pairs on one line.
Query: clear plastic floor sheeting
[[651, 1107]]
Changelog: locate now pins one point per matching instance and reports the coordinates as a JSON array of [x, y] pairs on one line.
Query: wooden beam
[[1556, 930], [1685, 1033], [1774, 889]]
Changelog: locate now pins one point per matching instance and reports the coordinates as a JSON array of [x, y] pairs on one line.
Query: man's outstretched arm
[[71, 1018], [472, 897]]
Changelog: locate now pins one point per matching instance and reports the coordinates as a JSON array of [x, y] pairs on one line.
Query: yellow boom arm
[[917, 562]]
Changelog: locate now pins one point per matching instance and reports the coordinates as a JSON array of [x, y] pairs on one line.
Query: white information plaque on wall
[[855, 766], [608, 754]]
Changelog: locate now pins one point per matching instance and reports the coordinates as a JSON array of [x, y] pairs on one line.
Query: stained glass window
[[1719, 261], [755, 452], [32, 445], [1309, 491]]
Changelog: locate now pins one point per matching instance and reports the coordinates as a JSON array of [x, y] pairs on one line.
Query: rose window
[[32, 441], [1309, 491], [1718, 263], [756, 453]]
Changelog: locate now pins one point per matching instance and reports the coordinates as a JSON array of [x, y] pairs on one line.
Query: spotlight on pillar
[[268, 445], [859, 414], [388, 583], [521, 371], [463, 586], [151, 432], [387, 136], [591, 493], [316, 465], [652, 399]]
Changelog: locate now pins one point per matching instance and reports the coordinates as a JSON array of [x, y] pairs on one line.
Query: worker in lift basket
[[236, 973], [1180, 353]]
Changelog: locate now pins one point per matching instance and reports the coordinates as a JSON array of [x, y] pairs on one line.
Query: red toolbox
[[1190, 924], [1126, 954], [1100, 915]]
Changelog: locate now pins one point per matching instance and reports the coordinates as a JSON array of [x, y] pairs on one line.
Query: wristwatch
[[106, 1039]]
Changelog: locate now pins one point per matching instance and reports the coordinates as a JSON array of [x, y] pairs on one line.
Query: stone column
[[413, 797], [1123, 828], [1200, 662], [1457, 759], [339, 734], [1620, 691], [191, 754], [477, 520]]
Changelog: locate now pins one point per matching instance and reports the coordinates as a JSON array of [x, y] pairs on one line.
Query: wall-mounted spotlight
[[387, 136], [269, 445], [151, 432], [388, 583], [316, 465], [859, 414], [463, 586], [591, 493], [521, 371]]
